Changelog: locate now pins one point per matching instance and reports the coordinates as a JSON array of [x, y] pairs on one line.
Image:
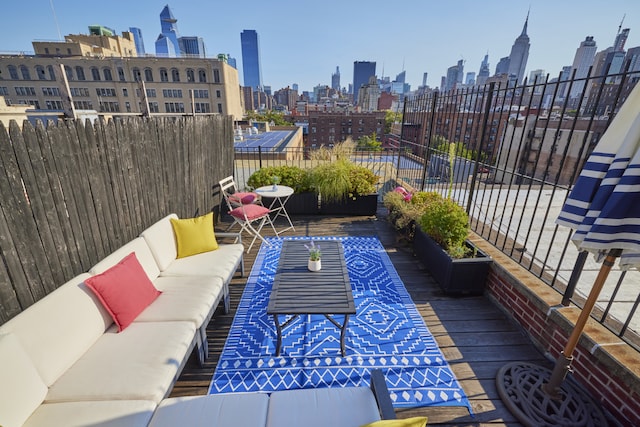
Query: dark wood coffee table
[[297, 291]]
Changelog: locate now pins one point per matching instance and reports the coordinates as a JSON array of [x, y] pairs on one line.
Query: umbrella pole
[[563, 363]]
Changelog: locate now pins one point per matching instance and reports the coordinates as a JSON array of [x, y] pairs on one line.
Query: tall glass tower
[[251, 69], [137, 38], [362, 70], [167, 42]]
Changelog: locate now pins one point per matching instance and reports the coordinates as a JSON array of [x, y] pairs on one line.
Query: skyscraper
[[582, 60], [362, 71], [519, 54], [335, 80], [137, 38], [251, 70], [192, 46], [484, 72], [167, 42], [454, 75]]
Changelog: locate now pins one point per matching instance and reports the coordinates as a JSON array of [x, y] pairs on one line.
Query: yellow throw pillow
[[407, 422], [194, 235]]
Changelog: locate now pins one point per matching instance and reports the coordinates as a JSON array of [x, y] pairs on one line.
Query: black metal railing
[[518, 151]]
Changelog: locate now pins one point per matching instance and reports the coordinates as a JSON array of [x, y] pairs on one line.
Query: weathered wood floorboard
[[475, 336]]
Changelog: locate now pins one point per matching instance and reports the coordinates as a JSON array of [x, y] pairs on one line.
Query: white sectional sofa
[[69, 366], [65, 364]]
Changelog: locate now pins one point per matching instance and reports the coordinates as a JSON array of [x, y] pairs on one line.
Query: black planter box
[[466, 276], [298, 204], [366, 205]]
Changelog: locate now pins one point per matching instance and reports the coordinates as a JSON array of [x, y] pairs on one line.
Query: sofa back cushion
[[21, 388], [58, 329], [143, 253], [161, 240]]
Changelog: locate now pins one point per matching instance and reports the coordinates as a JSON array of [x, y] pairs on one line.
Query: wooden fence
[[72, 193]]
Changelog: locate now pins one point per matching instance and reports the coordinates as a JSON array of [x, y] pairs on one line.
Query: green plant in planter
[[341, 179], [403, 214], [291, 176], [447, 223]]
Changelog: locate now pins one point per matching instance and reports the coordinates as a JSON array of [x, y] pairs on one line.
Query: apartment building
[[69, 77]]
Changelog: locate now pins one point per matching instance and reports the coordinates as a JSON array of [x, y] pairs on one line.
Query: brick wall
[[604, 365]]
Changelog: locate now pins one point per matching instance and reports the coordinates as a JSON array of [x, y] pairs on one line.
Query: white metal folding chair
[[250, 215]]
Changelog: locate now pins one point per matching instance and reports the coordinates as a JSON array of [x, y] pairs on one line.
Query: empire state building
[[519, 54]]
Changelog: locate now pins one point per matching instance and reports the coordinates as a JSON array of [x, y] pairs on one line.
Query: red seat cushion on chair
[[251, 211]]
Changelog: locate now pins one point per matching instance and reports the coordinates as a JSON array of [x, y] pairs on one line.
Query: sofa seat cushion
[[221, 263], [139, 363], [335, 407], [21, 388], [60, 328], [112, 413], [189, 298], [219, 410]]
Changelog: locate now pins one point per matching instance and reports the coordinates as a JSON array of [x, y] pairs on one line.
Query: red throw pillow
[[124, 290]]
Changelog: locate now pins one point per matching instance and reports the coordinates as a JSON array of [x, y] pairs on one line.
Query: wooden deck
[[475, 337]]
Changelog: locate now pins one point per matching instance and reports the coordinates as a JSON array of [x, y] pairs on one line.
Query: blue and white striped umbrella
[[604, 205]]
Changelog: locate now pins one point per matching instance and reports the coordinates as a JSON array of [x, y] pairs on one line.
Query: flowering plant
[[314, 251]]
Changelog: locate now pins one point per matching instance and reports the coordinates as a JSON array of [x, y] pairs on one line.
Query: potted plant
[[304, 199], [440, 242], [345, 188], [315, 256], [405, 209]]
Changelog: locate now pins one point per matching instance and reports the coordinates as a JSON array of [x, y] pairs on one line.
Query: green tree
[[268, 116], [369, 143], [390, 118]]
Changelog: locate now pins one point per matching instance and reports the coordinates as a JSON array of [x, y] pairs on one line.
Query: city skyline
[[420, 37]]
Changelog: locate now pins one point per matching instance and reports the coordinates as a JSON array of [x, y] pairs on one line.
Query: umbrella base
[[520, 386]]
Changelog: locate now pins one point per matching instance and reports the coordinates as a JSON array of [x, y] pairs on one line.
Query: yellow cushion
[[407, 422], [194, 235]]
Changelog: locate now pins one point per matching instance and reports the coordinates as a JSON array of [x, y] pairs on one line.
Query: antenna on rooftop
[[55, 19]]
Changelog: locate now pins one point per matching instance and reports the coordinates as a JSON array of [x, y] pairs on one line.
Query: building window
[[95, 74], [127, 106], [125, 92], [151, 93], [4, 91], [175, 75], [107, 74], [121, 74], [153, 107], [67, 70], [50, 91], [191, 77], [218, 94], [25, 91], [202, 107], [174, 107], [172, 93], [40, 72], [148, 75], [110, 107], [164, 76], [202, 76], [220, 108], [26, 75], [79, 91], [83, 105], [52, 104], [13, 72], [136, 74], [216, 76], [106, 92], [46, 50], [80, 73], [200, 93]]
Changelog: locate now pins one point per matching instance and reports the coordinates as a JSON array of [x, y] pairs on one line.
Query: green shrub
[[341, 178], [291, 176], [362, 181], [447, 223]]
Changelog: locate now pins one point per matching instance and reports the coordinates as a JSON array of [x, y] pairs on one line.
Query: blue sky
[[303, 41]]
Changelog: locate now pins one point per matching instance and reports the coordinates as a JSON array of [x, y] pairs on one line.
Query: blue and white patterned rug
[[387, 333]]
